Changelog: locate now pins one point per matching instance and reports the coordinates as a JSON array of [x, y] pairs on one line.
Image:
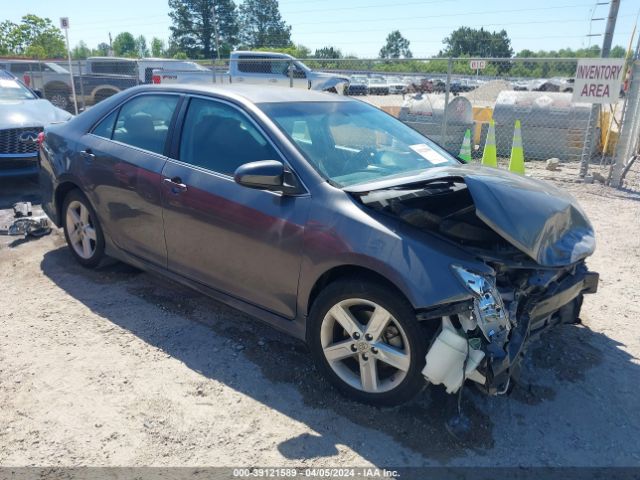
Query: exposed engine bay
[[535, 244]]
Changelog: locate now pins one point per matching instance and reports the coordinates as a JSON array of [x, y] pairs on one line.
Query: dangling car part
[[25, 223]]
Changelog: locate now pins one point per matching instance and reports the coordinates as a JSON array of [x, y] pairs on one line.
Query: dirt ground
[[117, 367]]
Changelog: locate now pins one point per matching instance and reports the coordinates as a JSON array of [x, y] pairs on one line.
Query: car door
[[241, 241], [122, 160], [259, 70]]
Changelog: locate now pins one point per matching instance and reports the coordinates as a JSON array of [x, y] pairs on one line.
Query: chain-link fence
[[442, 98]]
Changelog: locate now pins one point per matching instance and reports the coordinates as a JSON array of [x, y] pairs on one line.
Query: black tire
[[418, 335], [98, 252]]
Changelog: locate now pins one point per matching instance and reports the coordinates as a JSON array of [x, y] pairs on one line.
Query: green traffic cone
[[489, 155], [465, 150]]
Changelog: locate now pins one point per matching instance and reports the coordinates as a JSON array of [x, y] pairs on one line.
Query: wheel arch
[[60, 194], [349, 271], [110, 89], [57, 84]]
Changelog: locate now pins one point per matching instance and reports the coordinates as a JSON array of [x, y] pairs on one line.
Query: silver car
[[23, 116]]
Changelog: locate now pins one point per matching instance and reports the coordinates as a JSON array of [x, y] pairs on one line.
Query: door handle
[[88, 155], [176, 184]]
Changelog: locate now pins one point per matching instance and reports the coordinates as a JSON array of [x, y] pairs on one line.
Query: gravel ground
[[117, 367]]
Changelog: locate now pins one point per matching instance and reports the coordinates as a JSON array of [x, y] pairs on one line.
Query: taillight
[[40, 140], [155, 79]]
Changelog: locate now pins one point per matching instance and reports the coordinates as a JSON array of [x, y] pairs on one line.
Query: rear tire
[[82, 230], [366, 340]]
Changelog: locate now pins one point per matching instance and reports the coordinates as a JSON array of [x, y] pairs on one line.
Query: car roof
[[253, 93]]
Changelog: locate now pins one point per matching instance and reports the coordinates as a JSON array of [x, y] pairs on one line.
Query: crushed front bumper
[[499, 342]]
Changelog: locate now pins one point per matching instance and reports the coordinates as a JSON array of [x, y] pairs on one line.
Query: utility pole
[[64, 24], [214, 19], [595, 108], [110, 52]]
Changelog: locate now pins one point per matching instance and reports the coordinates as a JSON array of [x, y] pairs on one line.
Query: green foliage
[[102, 50], [396, 47], [34, 37], [261, 25], [157, 47], [141, 47], [328, 52], [124, 45], [477, 43], [192, 29], [180, 56], [297, 51], [80, 51]]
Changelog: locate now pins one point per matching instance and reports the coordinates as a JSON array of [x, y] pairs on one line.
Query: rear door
[[241, 241], [122, 162]]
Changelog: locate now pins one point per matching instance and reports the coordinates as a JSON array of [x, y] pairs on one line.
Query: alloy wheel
[[81, 230], [365, 345]]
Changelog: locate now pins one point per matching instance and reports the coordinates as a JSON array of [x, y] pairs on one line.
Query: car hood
[[30, 113], [537, 218]]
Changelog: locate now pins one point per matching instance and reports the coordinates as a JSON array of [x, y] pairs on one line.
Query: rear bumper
[[18, 165]]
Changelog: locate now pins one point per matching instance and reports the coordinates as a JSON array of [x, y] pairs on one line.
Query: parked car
[[396, 85], [262, 68], [22, 117], [49, 78], [103, 77], [378, 85], [330, 220], [358, 85]]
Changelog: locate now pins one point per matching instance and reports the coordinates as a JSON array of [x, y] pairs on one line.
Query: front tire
[[366, 340], [82, 230]]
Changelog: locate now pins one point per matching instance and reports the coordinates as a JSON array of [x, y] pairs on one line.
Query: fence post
[[81, 85], [290, 74], [443, 132], [628, 140]]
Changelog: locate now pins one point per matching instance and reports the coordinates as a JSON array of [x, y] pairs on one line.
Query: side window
[[105, 127], [144, 121], [218, 137], [254, 64]]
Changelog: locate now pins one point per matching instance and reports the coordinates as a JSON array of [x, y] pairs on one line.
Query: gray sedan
[[330, 220], [22, 117]]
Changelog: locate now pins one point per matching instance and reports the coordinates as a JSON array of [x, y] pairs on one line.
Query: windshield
[[11, 90], [352, 142]]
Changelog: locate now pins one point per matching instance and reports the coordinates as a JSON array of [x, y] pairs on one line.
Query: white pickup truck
[[260, 68]]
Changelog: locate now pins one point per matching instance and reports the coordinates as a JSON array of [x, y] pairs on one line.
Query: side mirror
[[265, 175], [38, 93]]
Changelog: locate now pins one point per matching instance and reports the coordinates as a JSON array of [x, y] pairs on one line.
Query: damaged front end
[[534, 237]]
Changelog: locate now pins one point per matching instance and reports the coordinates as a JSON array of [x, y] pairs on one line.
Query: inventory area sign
[[598, 80]]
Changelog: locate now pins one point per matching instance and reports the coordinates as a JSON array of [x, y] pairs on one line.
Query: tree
[[157, 47], [261, 25], [618, 52], [192, 29], [396, 47], [124, 45], [328, 52], [33, 36], [472, 42], [80, 51], [141, 47], [102, 50]]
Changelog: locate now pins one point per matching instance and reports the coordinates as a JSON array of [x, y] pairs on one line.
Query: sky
[[360, 26]]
